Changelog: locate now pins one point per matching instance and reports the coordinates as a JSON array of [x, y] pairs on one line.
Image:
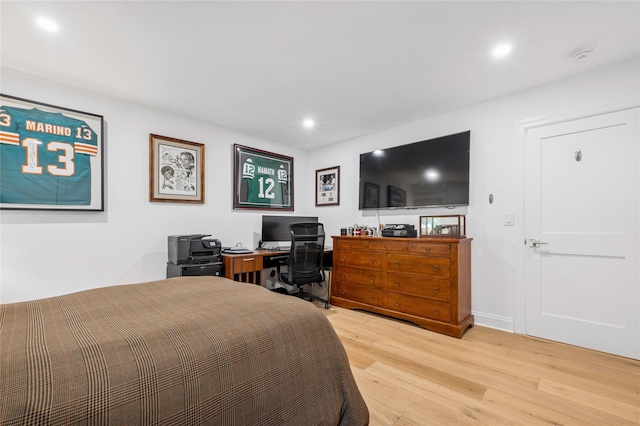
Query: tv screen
[[276, 228], [428, 173]]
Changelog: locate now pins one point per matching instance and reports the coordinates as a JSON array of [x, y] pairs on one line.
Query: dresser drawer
[[433, 288], [418, 306], [433, 249], [388, 245], [359, 293], [355, 243], [434, 266], [358, 258], [370, 277]]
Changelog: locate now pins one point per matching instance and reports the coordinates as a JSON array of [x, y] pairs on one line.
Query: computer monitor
[[275, 229]]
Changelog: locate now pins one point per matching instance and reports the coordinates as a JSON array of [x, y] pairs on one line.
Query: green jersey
[[266, 182]]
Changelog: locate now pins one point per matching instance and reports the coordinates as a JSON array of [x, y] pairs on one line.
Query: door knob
[[535, 243]]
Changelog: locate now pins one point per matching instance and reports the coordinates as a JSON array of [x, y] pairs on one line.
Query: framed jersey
[[51, 158], [262, 180]]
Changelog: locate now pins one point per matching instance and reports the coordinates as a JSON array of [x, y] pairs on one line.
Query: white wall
[[49, 253], [497, 250], [46, 253]]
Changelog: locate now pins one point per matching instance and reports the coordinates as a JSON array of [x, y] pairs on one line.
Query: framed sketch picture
[[51, 157], [328, 186], [176, 170], [262, 180]]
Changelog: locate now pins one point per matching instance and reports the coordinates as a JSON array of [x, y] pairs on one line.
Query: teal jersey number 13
[[45, 157]]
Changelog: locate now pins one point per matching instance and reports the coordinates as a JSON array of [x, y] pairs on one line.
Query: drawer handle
[[397, 263], [343, 258], [372, 279], [436, 268], [251, 259], [397, 283], [437, 311], [372, 298], [349, 244], [384, 247], [436, 290], [397, 303], [427, 250], [371, 261], [344, 275], [344, 292]]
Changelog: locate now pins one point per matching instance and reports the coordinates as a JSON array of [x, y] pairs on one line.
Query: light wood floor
[[410, 376]]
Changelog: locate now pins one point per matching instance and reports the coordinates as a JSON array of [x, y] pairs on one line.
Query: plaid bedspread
[[181, 351]]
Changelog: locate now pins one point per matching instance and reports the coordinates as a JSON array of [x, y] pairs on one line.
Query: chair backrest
[[307, 250]]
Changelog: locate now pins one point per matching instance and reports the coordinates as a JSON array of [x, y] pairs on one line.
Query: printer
[[194, 254]]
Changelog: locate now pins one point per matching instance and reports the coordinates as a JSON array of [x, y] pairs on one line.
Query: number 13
[[66, 158]]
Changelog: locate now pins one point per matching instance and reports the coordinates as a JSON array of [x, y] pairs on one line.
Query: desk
[[247, 267]]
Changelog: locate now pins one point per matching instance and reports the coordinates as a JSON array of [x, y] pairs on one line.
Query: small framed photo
[[262, 180], [328, 186], [176, 170], [51, 157]]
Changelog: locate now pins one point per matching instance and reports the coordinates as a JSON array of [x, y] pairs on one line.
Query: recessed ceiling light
[[47, 24], [308, 123], [501, 50]]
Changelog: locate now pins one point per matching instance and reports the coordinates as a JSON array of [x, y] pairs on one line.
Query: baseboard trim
[[494, 321]]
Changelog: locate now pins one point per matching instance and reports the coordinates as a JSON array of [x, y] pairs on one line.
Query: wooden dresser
[[423, 280]]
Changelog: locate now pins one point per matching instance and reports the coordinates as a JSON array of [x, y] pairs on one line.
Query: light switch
[[508, 219]]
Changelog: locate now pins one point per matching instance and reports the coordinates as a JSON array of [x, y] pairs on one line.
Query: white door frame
[[522, 128]]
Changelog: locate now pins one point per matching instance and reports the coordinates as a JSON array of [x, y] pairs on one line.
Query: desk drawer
[[246, 264]]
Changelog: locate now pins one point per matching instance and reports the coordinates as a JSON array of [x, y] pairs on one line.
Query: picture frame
[[371, 195], [52, 157], [328, 186], [176, 170], [396, 197], [262, 180]]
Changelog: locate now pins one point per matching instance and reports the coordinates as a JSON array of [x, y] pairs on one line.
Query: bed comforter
[[181, 351]]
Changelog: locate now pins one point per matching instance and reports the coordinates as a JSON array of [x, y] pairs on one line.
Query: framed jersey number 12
[[262, 180], [51, 158]]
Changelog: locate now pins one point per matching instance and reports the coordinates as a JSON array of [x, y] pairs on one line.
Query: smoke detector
[[583, 52]]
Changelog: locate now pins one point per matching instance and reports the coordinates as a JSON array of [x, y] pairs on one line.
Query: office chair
[[304, 264]]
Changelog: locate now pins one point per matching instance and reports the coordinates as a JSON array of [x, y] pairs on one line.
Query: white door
[[582, 233]]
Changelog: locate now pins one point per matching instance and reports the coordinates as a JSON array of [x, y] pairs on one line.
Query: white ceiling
[[356, 67]]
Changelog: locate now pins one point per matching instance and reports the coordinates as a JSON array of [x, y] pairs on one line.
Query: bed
[[180, 351]]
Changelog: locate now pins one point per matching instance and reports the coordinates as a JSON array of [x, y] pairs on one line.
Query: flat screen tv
[[429, 173]]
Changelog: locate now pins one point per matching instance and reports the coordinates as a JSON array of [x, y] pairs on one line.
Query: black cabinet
[[214, 268]]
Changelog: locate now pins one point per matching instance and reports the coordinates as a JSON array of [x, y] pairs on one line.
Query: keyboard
[[278, 248]]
